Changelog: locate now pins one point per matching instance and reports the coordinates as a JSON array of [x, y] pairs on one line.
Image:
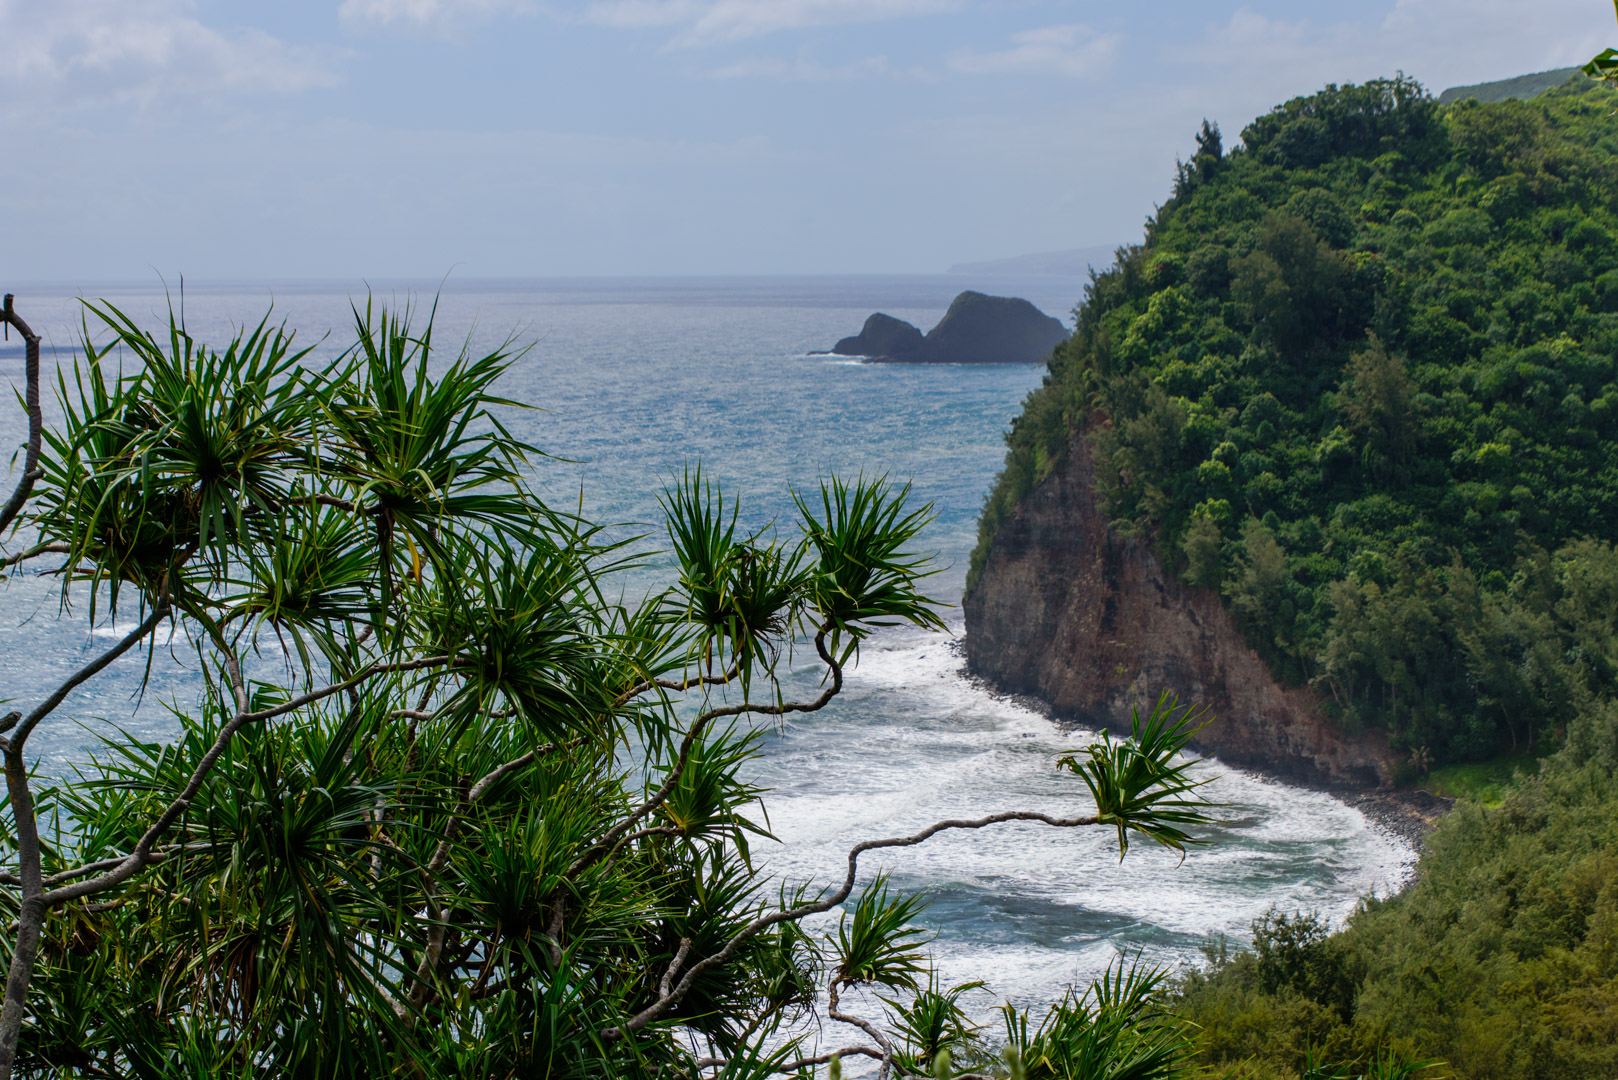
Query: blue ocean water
[[632, 380]]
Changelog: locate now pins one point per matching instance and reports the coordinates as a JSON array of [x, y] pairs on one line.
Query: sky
[[412, 138]]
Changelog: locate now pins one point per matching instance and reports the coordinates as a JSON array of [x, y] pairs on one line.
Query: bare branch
[[609, 842], [678, 686], [238, 685], [160, 855], [553, 930], [52, 548], [803, 1063], [420, 715], [667, 1001], [833, 1010], [44, 709], [36, 420], [674, 966], [499, 772], [369, 671]]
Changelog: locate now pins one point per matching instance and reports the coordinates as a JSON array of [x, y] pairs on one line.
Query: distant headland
[[977, 329], [1073, 262]]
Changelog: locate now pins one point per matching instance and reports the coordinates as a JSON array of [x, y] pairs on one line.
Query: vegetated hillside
[[1523, 86], [1360, 378], [1501, 960]]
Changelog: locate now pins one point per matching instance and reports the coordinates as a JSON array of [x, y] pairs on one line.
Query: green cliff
[[1360, 380]]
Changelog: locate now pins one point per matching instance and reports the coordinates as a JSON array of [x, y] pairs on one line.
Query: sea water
[[633, 381]]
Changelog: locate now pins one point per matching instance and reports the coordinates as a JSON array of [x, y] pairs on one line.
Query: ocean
[[631, 381]]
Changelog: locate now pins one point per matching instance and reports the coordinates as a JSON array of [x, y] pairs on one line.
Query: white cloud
[[1072, 51], [436, 15], [1441, 42], [1553, 33], [707, 22], [82, 52], [801, 69], [1247, 29]]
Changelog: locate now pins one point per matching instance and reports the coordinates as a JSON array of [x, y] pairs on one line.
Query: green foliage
[[1501, 959], [1116, 1030], [933, 1024], [860, 577], [1138, 786], [1373, 404], [744, 591], [877, 942], [1483, 782], [1201, 545], [396, 833]]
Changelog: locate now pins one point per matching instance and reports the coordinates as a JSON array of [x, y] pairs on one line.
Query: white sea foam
[[1030, 909]]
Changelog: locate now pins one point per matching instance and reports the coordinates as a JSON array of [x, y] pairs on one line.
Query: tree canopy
[[1359, 377], [441, 801]]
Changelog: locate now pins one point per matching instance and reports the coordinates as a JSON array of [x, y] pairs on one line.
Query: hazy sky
[[335, 138]]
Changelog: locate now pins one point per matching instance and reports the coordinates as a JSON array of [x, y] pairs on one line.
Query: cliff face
[[1069, 611]]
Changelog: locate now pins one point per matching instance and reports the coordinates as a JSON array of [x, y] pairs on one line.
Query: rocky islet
[[977, 329]]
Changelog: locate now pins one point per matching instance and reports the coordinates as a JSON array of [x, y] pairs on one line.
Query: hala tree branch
[[162, 854], [667, 1001], [679, 686], [88, 671], [1137, 786], [801, 1063], [610, 841], [36, 423], [368, 672], [145, 853], [834, 1010], [52, 548], [35, 900]]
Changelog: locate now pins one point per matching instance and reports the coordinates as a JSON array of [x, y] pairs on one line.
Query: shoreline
[[1407, 813]]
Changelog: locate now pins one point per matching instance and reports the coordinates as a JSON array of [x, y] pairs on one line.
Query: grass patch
[[1484, 782]]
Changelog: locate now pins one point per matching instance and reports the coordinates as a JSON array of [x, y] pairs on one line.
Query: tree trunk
[[30, 466], [31, 917], [30, 923]]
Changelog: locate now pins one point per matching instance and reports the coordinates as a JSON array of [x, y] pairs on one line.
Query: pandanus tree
[[441, 802]]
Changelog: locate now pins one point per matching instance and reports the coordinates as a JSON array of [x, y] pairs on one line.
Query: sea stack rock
[[981, 329], [977, 329], [883, 336]]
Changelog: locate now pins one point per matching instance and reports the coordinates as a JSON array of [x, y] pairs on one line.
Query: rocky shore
[[1077, 621], [1409, 814]]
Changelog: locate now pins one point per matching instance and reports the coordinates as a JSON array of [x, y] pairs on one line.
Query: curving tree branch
[[36, 422], [667, 1001], [614, 836]]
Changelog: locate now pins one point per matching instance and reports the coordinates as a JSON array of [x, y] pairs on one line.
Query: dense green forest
[[1362, 378], [1501, 960]]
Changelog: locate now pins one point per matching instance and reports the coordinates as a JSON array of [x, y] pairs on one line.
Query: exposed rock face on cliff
[[1068, 610], [882, 335], [977, 329]]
